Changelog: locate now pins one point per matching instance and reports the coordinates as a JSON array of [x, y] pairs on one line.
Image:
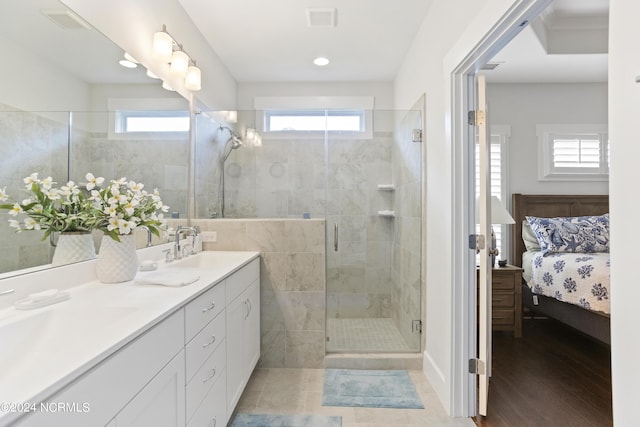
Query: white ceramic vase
[[73, 246], [117, 261]]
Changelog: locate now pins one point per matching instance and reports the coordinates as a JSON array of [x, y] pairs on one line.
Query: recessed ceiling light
[[321, 61]]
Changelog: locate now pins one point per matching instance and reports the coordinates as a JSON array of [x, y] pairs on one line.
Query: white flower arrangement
[[116, 209]]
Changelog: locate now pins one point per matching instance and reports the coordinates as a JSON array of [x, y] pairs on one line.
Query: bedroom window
[[573, 152], [498, 162]]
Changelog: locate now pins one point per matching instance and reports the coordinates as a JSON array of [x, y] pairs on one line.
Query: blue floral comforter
[[575, 278]]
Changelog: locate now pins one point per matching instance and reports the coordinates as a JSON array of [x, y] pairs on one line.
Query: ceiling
[[270, 41]]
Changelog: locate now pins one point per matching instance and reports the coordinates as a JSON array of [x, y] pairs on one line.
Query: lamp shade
[[193, 79], [162, 46], [499, 214], [179, 63]]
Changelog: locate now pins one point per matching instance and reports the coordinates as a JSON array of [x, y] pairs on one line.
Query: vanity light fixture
[[150, 74], [167, 50], [167, 86]]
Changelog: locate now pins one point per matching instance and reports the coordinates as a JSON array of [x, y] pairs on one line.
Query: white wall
[[131, 25], [449, 31], [381, 91], [38, 85], [624, 111], [523, 106]]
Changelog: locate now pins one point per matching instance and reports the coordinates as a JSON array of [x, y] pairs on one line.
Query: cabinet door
[[161, 402], [236, 313], [252, 329]]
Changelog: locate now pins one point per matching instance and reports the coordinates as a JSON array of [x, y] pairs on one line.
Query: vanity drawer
[[202, 310], [204, 344], [205, 378], [212, 411], [241, 279]]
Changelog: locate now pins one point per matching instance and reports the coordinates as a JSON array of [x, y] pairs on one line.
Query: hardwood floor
[[552, 376]]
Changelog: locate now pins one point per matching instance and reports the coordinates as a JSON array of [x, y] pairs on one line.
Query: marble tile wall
[[292, 298], [29, 142]]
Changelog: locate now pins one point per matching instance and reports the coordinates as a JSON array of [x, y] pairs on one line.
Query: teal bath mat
[[271, 420], [373, 389]]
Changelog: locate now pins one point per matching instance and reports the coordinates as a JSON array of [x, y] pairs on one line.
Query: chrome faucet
[[177, 252], [144, 227]]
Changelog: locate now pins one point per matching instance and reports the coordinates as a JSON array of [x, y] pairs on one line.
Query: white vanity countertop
[[44, 349]]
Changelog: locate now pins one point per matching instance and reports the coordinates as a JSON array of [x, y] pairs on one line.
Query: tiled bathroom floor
[[299, 391], [364, 335]]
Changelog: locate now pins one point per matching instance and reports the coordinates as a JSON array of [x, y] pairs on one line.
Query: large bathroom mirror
[[62, 96]]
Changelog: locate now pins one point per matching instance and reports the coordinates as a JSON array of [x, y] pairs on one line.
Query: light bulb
[[179, 63], [162, 46], [193, 80]]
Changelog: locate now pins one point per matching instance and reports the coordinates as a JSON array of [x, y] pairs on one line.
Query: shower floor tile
[[364, 335]]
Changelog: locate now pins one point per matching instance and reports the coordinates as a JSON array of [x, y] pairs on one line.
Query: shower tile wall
[[292, 299], [358, 273], [29, 142], [157, 163]]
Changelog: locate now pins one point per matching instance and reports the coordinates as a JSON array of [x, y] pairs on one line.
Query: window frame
[[122, 108], [301, 105], [546, 169]]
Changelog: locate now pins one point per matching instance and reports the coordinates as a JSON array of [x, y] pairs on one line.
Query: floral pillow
[[582, 234]]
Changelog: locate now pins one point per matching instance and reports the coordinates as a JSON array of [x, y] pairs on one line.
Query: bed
[[593, 322]]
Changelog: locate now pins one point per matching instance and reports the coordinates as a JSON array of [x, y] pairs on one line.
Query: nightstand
[[506, 299]]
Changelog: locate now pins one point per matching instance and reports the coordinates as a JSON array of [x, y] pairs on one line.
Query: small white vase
[[73, 246], [117, 261]]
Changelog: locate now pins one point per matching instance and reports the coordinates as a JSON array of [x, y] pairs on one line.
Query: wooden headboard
[[549, 206]]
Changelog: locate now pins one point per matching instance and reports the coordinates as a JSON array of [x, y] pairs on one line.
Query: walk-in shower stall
[[365, 186]]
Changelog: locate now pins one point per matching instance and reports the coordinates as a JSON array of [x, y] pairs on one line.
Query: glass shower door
[[373, 237]]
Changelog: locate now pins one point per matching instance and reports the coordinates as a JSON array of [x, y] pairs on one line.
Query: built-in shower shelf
[[386, 187], [388, 214]]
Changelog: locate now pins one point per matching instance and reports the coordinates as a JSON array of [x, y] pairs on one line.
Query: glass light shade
[[162, 46], [193, 79], [150, 74], [250, 134], [128, 57], [179, 63]]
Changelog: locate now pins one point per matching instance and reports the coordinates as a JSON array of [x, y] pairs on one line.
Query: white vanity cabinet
[[243, 330], [136, 379], [188, 369]]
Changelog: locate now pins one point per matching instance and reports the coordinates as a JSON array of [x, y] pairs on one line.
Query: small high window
[[314, 120], [152, 121], [573, 152]]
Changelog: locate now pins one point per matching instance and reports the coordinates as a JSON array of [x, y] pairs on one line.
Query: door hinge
[[416, 135], [477, 242], [416, 326], [476, 117], [476, 366]]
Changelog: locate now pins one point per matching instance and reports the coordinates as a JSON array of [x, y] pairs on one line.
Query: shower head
[[235, 141]]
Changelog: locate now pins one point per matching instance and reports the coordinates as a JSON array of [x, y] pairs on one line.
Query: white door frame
[[464, 393]]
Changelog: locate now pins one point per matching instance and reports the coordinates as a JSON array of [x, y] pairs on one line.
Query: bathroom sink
[[208, 260], [31, 338]]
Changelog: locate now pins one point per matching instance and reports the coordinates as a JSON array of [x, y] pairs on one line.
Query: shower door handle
[[335, 237]]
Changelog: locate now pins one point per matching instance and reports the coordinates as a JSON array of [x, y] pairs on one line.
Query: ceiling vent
[[322, 17], [66, 19], [490, 66]]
